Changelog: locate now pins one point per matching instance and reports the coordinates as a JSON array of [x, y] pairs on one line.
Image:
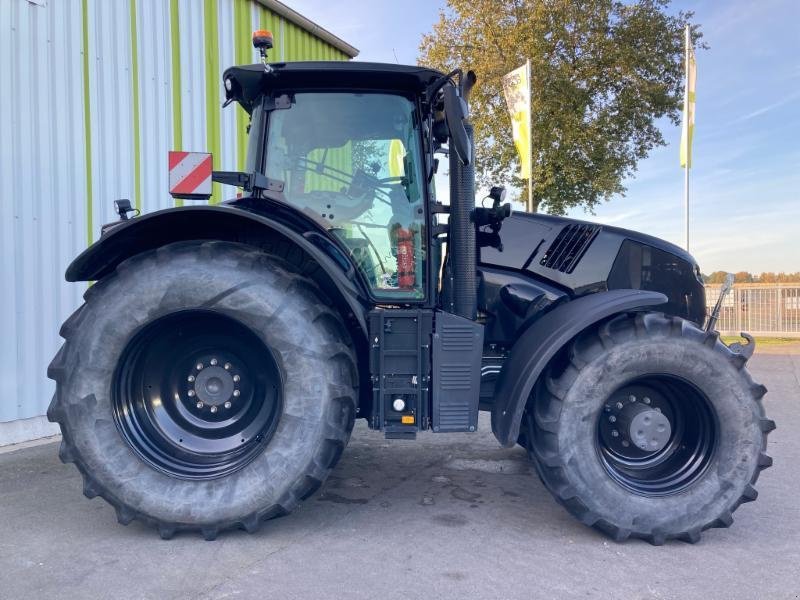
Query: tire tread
[[339, 422], [544, 414]]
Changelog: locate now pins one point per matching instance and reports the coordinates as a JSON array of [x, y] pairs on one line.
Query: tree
[[603, 72], [770, 277], [715, 277]]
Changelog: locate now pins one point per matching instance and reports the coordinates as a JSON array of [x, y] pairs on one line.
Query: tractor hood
[[244, 84], [582, 257]]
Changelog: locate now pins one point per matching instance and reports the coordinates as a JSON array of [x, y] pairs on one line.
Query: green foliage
[[771, 277], [603, 72], [717, 277]]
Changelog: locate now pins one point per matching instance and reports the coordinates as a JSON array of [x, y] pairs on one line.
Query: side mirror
[[455, 111]]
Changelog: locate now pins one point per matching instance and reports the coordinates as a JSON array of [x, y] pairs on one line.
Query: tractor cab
[[349, 145]]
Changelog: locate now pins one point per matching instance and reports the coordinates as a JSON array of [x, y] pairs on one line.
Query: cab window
[[351, 161]]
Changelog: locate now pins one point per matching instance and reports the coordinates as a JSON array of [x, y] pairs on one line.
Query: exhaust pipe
[[462, 230]]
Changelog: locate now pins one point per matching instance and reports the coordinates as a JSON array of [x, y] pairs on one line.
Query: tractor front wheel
[[649, 427]]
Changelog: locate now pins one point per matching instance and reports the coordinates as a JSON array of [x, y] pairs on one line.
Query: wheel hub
[[637, 422], [214, 386], [649, 429]]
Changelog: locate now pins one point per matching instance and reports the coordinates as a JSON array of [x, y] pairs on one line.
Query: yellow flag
[[517, 90], [397, 154], [687, 131]]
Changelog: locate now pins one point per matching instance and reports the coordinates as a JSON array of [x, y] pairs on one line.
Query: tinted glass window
[[351, 161]]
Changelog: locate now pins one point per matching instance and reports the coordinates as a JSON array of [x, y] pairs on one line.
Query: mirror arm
[[439, 83]]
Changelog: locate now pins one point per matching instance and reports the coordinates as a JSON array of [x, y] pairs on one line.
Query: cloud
[[613, 219], [767, 108]]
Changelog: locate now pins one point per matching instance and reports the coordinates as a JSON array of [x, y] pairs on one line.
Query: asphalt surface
[[447, 516]]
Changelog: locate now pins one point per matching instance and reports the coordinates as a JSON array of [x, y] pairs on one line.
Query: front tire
[[650, 428], [204, 386]]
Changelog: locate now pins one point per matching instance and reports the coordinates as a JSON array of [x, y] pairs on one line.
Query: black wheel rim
[[657, 435], [197, 395]]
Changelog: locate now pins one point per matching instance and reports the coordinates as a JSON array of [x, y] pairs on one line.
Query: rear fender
[[534, 349], [336, 274]]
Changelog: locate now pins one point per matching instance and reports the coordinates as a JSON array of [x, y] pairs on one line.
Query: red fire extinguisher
[[406, 265]]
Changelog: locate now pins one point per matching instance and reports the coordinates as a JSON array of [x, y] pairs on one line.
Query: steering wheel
[[337, 206]]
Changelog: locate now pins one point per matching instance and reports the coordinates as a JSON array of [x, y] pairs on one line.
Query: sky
[[745, 176]]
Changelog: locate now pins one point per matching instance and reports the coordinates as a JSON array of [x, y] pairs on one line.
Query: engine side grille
[[568, 248]]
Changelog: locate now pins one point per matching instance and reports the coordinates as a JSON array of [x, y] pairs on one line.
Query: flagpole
[[686, 116], [530, 135]]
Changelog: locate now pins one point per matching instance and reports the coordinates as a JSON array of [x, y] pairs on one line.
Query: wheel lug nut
[[619, 405], [190, 379], [213, 409], [236, 393], [213, 361], [646, 400], [199, 366], [615, 433], [632, 398], [612, 418], [236, 378], [199, 405], [191, 393], [227, 366], [227, 404]]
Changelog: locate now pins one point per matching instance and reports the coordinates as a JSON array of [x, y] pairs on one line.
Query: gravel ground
[[447, 516]]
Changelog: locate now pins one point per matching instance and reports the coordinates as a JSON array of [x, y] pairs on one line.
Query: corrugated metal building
[[95, 93]]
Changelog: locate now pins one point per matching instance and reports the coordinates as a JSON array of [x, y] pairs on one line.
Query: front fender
[[535, 348], [220, 223]]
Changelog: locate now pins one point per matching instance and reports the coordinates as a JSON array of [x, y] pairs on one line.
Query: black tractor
[[212, 378]]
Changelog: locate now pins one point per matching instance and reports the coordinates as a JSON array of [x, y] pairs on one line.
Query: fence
[[763, 309]]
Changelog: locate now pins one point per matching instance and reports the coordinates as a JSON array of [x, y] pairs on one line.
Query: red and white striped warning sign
[[190, 174]]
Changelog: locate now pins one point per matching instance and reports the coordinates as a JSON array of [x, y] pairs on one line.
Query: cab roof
[[248, 82]]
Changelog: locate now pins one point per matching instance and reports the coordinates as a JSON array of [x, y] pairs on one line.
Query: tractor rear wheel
[[204, 386], [649, 427]]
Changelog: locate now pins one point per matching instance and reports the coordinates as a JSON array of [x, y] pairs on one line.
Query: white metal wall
[[60, 172], [42, 192]]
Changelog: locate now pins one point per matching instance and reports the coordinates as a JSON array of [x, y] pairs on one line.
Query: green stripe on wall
[[177, 108], [242, 43], [87, 119], [137, 152], [213, 107], [268, 21], [275, 25]]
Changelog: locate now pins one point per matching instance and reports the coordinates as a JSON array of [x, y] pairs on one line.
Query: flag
[[687, 131], [397, 155], [517, 90]]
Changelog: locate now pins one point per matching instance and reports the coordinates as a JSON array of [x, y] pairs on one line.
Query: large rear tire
[[204, 386], [650, 428]]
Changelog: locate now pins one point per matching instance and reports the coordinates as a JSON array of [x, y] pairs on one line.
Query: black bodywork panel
[[510, 301], [641, 266], [541, 342], [400, 365], [580, 258], [429, 361], [457, 350]]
